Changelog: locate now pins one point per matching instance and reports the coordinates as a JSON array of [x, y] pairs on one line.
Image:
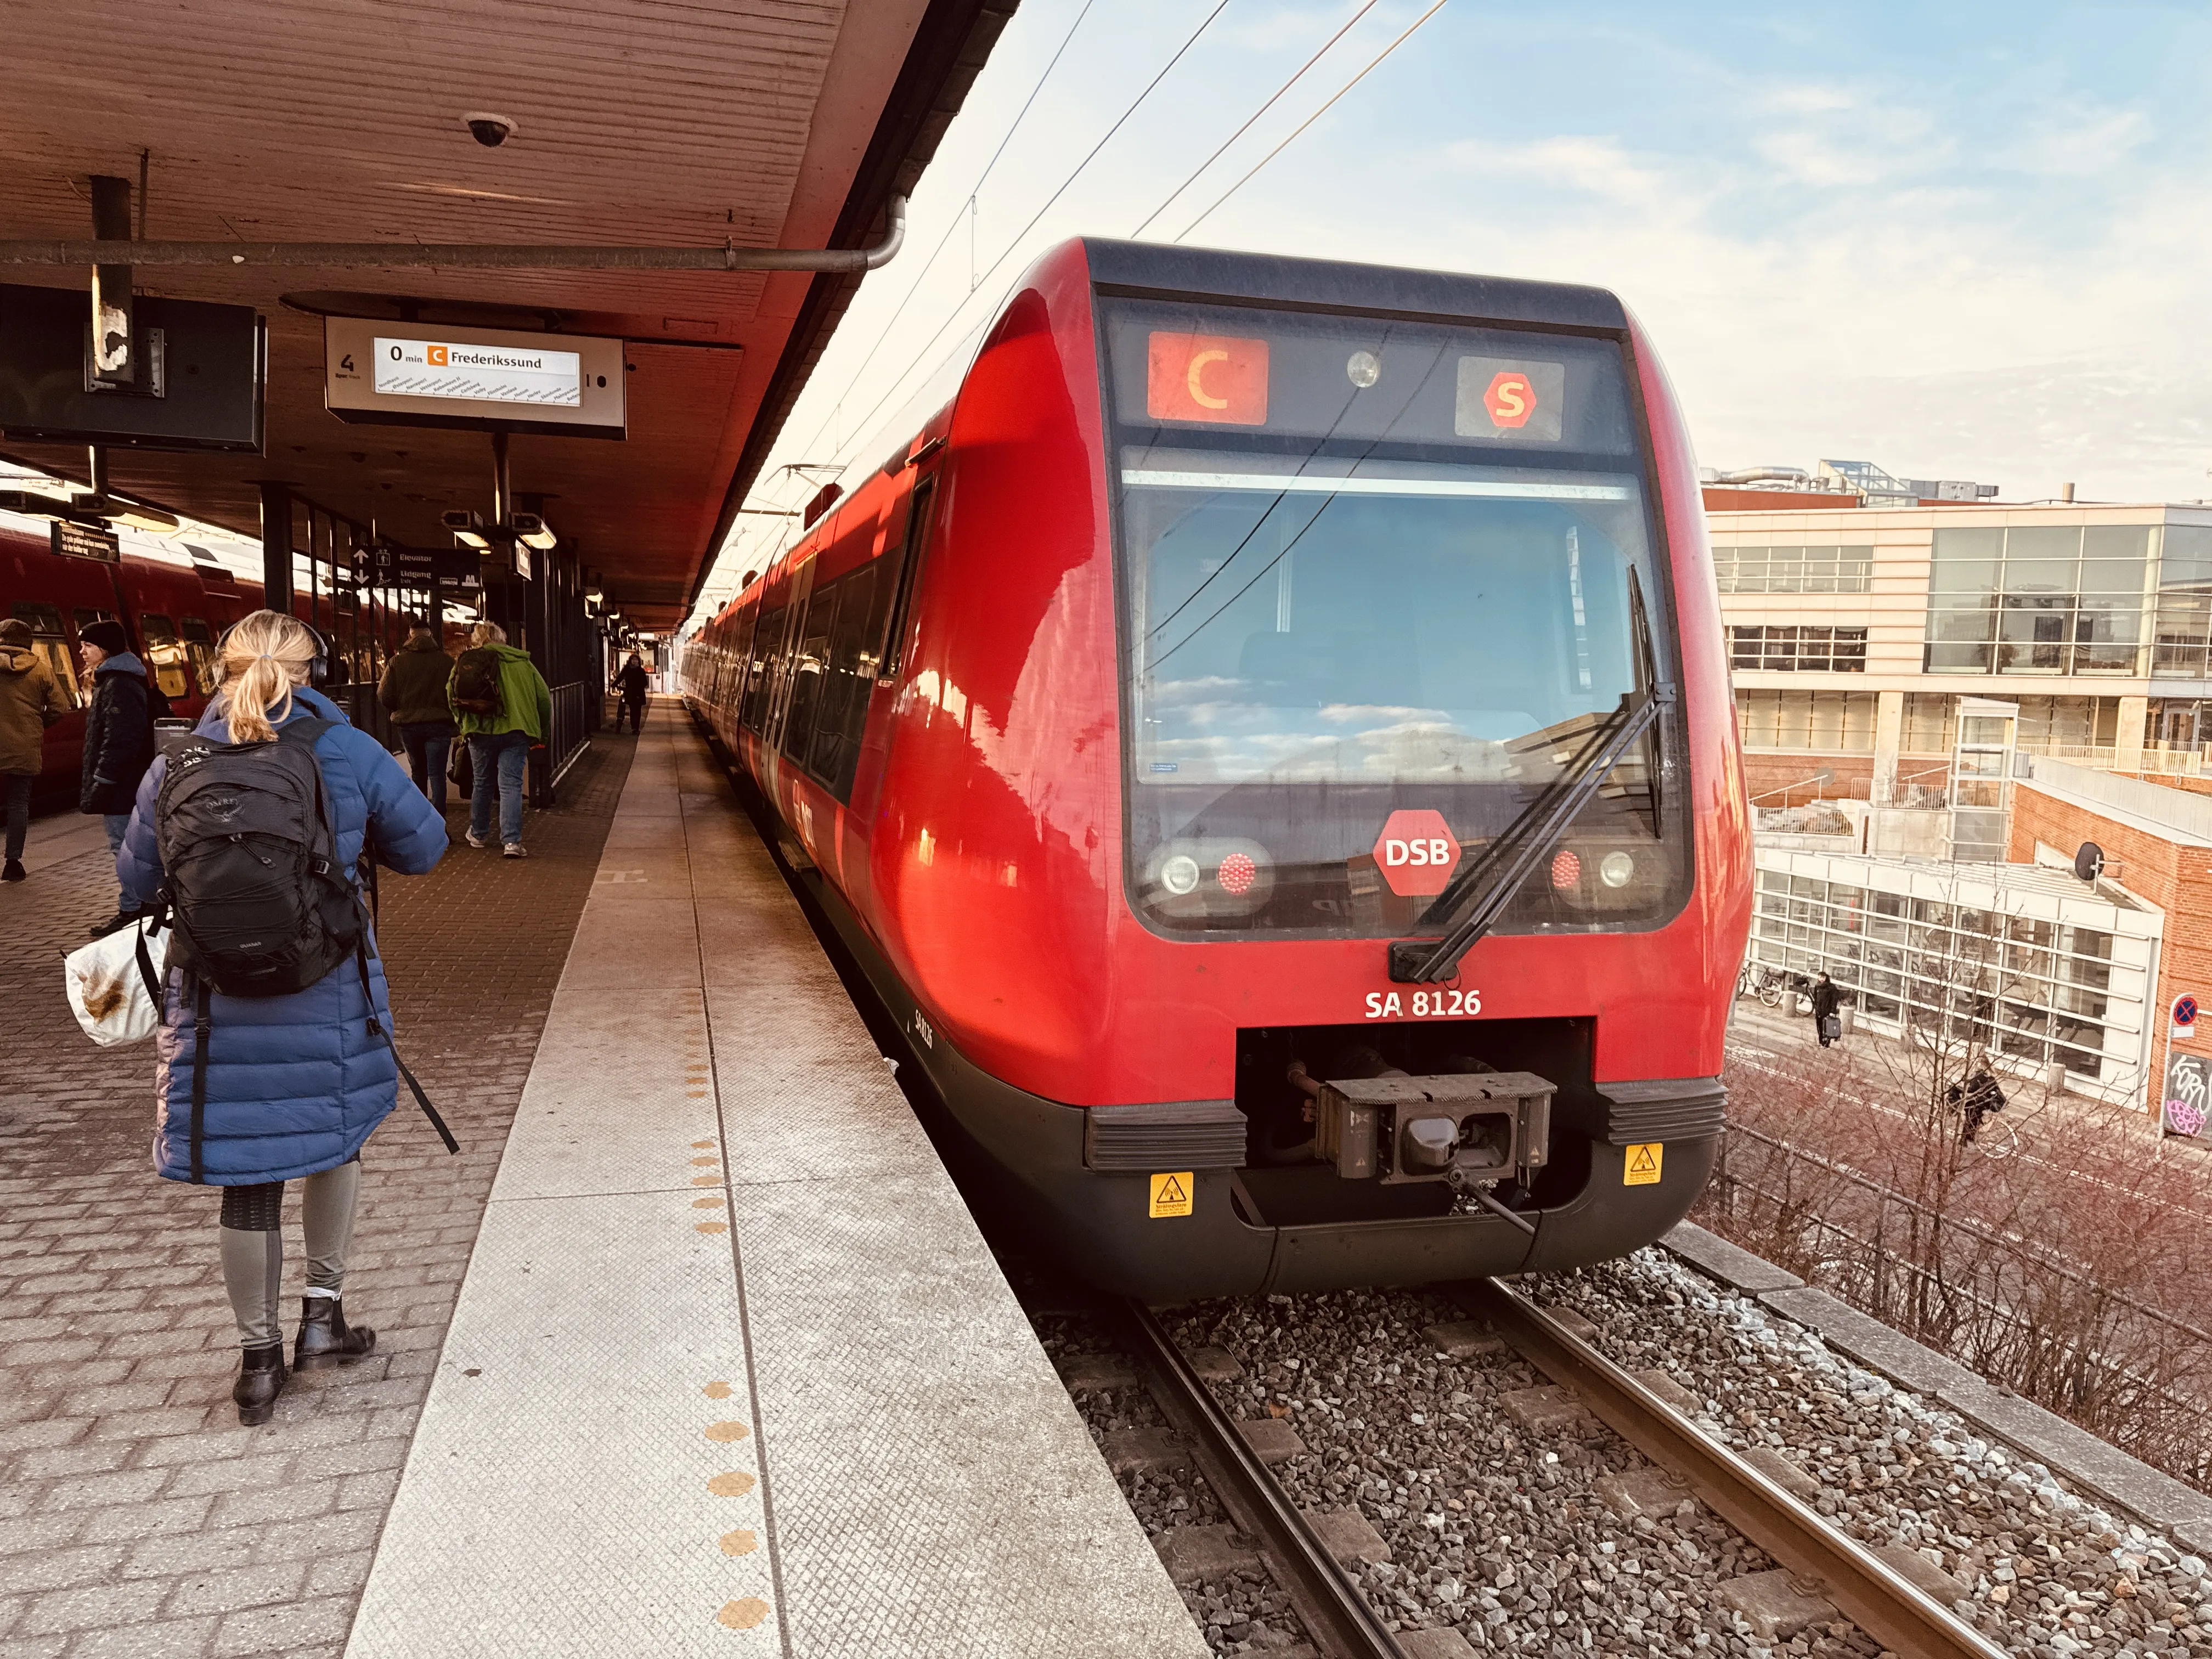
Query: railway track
[[1824, 1565]]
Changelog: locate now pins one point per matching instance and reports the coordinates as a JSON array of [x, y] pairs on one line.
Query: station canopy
[[756, 123]]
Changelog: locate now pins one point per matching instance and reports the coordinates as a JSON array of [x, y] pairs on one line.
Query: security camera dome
[[491, 130]]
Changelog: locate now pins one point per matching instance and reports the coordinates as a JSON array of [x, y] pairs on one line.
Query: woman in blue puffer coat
[[296, 1083]]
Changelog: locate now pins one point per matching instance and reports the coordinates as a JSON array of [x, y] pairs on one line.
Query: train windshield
[[1375, 569]]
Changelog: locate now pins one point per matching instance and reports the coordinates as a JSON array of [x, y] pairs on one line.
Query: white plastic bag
[[108, 988]]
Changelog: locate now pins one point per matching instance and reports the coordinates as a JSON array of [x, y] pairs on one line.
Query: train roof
[[1159, 268]]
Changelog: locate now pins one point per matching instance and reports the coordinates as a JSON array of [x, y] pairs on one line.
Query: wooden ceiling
[[769, 123]]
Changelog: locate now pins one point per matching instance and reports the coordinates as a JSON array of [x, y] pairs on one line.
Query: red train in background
[[174, 606], [1267, 740]]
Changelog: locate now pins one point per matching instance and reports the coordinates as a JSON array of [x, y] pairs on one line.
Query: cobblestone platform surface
[[136, 1515]]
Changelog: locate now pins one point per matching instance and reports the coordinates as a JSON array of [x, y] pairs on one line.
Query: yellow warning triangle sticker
[[1642, 1168], [1172, 1192], [1170, 1195], [1642, 1162]]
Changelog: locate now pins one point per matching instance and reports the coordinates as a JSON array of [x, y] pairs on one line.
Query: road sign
[[2185, 1019], [1416, 852]]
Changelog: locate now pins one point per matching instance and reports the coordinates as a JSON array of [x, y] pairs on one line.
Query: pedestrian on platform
[[631, 682], [290, 1086], [31, 700], [1826, 1021], [119, 744], [413, 692], [504, 709]]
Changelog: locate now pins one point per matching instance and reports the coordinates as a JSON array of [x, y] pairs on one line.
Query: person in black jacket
[[631, 682], [119, 744], [1825, 1000]]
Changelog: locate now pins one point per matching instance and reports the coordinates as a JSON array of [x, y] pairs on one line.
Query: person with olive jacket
[[31, 700], [118, 744], [413, 690]]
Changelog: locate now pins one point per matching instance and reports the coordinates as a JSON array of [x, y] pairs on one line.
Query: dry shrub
[[2057, 1255]]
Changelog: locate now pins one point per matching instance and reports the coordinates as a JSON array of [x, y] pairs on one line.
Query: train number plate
[[1424, 1005]]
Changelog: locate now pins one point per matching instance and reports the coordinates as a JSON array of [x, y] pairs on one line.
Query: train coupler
[[1460, 1128]]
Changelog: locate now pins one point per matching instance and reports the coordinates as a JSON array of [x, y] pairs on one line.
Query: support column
[[1888, 737], [2128, 742], [276, 546]]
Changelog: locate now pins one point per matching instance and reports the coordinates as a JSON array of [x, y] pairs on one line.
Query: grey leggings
[[254, 1245]]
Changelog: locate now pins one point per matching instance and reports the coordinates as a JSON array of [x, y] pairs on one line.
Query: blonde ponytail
[[264, 657]]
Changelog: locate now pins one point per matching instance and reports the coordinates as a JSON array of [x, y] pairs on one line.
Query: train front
[[1433, 868]]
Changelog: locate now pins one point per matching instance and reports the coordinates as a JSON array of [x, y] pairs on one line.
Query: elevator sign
[[1416, 852]]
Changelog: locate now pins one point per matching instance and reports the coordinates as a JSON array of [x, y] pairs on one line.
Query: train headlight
[[1615, 868], [1179, 874]]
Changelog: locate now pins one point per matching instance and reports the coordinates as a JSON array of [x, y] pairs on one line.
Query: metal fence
[[2001, 1304], [579, 709]]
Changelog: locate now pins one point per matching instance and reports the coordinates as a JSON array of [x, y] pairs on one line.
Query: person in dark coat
[[631, 682], [119, 744], [1825, 1001], [295, 1084], [414, 691], [31, 700]]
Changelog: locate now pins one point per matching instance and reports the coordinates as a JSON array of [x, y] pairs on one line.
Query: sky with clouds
[[1966, 242]]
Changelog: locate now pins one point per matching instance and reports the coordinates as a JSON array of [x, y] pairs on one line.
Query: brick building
[[2157, 843]]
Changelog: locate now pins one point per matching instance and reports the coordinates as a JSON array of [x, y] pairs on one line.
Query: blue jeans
[[428, 743], [115, 824], [503, 756], [18, 807]]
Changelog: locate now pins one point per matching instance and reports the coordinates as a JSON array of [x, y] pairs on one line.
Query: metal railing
[[579, 709]]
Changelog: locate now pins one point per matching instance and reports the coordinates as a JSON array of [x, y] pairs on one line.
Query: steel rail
[[1888, 1607], [1336, 1614], [461, 256]]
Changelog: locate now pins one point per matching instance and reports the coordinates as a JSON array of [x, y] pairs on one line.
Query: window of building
[[2035, 991], [2182, 627], [1793, 569], [1831, 722], [2037, 600], [1817, 650]]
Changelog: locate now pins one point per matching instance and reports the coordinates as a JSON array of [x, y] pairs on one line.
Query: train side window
[[808, 670], [844, 716], [199, 645], [50, 645], [920, 508], [732, 689], [757, 679], [169, 661]]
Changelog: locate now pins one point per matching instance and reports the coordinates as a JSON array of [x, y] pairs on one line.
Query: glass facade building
[[2039, 600]]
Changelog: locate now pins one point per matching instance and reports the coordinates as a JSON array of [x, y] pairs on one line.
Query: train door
[[893, 645], [62, 758]]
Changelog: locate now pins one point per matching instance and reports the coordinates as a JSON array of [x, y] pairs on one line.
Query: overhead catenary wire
[[982, 179], [1310, 120], [929, 345], [1273, 100]]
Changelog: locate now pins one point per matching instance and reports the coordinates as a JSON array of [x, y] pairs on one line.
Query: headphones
[[319, 666]]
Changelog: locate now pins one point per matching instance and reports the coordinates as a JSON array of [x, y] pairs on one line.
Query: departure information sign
[[378, 372], [483, 373]]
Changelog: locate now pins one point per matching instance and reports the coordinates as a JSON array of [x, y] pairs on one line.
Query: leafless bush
[[2057, 1254]]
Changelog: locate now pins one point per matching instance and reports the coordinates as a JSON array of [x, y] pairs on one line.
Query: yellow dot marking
[[714, 1227], [742, 1615], [706, 1181], [704, 1163], [701, 1145], [706, 1203], [716, 1390], [735, 1484], [726, 1432], [740, 1543], [697, 1094]]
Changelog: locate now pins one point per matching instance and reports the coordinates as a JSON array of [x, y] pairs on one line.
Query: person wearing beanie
[[119, 744], [31, 700]]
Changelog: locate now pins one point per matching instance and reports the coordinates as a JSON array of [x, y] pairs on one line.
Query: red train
[[1269, 740], [173, 607]]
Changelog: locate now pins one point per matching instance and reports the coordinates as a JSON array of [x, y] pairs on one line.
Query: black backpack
[[475, 684], [252, 886]]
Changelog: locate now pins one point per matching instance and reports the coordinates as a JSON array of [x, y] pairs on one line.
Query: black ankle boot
[[261, 1378], [326, 1339]]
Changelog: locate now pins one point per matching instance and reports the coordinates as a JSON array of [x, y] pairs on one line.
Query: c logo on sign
[[1196, 379]]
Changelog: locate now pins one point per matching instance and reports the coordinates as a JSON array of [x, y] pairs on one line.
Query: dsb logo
[[1416, 852]]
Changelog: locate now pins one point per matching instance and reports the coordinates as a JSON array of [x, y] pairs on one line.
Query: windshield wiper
[[1498, 871]]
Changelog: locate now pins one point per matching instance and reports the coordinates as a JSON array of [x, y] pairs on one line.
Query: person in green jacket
[[500, 741]]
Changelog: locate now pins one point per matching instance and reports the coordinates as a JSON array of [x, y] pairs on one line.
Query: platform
[[730, 1370]]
